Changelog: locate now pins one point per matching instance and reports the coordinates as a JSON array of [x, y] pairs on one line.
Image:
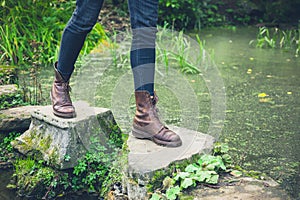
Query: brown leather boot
[[60, 97], [146, 124]]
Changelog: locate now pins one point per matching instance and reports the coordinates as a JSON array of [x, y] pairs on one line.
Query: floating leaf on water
[[265, 100], [262, 95]]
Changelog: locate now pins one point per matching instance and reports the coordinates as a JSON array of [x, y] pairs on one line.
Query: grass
[[30, 35], [30, 31]]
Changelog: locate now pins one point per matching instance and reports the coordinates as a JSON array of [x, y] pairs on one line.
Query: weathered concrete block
[[146, 159], [8, 89], [16, 119], [61, 142]]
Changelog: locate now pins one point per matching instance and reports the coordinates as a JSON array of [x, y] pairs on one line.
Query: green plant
[[96, 172], [8, 75], [205, 170], [178, 52], [11, 100], [30, 32], [34, 179], [264, 39], [29, 28], [5, 147], [100, 168], [189, 14], [277, 38]]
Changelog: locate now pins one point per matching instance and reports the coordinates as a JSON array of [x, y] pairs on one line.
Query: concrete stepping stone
[[16, 119], [62, 142], [146, 158], [8, 89]]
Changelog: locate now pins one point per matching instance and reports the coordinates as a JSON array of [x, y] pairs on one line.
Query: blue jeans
[[143, 18]]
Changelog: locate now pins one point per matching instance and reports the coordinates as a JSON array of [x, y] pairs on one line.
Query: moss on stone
[[4, 116], [54, 157], [33, 178], [45, 143]]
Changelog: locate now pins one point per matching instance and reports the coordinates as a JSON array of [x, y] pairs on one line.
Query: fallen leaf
[[262, 95], [265, 100]]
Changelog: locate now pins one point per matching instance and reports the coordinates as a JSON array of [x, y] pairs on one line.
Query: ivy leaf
[[187, 183], [213, 179], [172, 192], [155, 197], [227, 159], [224, 148], [191, 168], [202, 175], [211, 167], [220, 163], [181, 175]]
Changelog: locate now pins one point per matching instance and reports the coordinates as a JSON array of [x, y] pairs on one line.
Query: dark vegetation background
[[30, 30]]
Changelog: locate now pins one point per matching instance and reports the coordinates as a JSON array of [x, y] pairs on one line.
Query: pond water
[[262, 103], [264, 132]]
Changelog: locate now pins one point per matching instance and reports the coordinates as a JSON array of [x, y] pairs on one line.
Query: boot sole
[[64, 115], [144, 135]]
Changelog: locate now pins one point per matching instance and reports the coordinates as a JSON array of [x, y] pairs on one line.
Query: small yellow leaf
[[249, 71], [251, 59], [265, 100], [289, 92], [262, 95]]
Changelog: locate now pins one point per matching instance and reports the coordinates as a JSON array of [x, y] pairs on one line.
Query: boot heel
[[139, 134]]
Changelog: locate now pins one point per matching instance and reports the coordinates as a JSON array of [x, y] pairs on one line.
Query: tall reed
[[277, 38]]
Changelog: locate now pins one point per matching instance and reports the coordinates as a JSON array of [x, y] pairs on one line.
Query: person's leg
[[146, 124], [81, 23], [143, 17]]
